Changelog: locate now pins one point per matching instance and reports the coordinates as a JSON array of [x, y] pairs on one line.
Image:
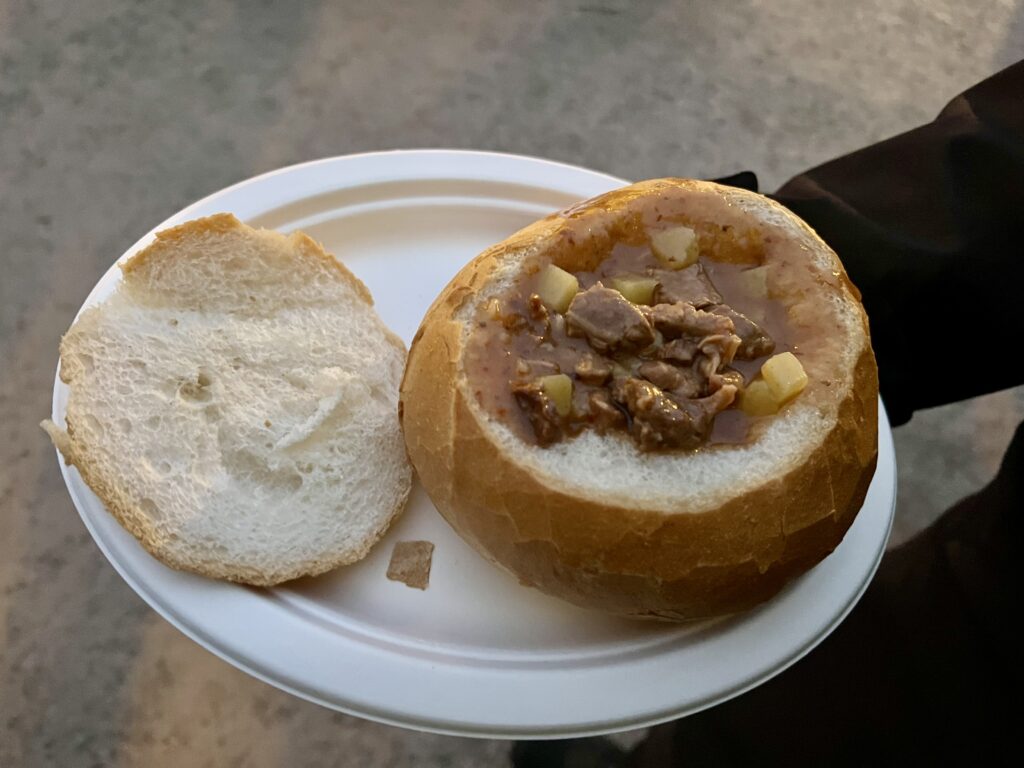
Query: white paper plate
[[475, 654]]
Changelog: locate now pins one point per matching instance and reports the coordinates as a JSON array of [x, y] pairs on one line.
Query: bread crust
[[673, 564], [169, 241], [136, 520]]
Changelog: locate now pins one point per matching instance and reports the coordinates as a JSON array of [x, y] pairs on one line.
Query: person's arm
[[930, 227]]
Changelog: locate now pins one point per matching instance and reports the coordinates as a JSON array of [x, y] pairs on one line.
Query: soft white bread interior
[[672, 535], [234, 405]]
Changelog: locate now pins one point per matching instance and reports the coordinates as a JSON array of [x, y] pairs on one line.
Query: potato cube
[[785, 376], [755, 282], [758, 400], [558, 387], [635, 288], [556, 287], [676, 247]]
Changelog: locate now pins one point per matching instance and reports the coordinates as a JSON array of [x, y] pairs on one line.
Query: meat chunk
[[716, 351], [536, 368], [690, 285], [675, 320], [591, 370], [681, 351], [681, 382], [754, 340], [690, 384], [662, 421], [693, 330], [604, 413], [608, 321], [658, 421], [660, 374], [704, 409], [729, 376], [548, 425]]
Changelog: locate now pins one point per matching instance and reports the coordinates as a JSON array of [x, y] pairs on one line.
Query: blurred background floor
[[113, 115]]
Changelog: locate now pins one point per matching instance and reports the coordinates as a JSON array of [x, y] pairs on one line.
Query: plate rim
[[218, 648]]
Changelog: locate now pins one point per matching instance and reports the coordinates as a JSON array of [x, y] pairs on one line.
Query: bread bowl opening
[[664, 325]]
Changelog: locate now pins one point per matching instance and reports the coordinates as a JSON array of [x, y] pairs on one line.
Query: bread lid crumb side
[[234, 405]]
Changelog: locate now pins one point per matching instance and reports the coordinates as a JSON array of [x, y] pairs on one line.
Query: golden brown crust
[[605, 555], [168, 243]]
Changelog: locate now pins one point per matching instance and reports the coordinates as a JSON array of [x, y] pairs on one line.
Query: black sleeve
[[930, 227]]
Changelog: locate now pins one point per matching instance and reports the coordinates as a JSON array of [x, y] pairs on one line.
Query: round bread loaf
[[676, 535], [234, 405]]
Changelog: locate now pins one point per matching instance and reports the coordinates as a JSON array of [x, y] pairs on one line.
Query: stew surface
[[668, 367]]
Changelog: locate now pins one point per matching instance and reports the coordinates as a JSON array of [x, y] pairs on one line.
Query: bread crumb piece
[[410, 563]]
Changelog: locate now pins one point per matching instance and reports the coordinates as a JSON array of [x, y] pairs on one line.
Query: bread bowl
[[696, 523]]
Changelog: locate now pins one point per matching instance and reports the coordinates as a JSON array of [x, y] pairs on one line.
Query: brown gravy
[[507, 334]]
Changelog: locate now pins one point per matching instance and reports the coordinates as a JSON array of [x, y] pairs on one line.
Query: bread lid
[[233, 404]]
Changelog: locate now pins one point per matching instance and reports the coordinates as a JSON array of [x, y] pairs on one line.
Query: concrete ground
[[113, 115]]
